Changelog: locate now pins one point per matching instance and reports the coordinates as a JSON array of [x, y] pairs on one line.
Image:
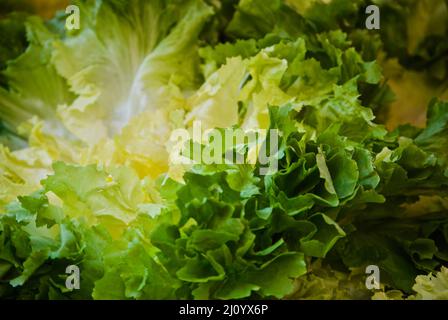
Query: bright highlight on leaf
[[88, 177]]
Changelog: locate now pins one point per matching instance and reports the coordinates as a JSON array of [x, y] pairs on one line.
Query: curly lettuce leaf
[[25, 97], [142, 63]]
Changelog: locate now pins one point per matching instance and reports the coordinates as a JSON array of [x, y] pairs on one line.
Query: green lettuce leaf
[[144, 58]]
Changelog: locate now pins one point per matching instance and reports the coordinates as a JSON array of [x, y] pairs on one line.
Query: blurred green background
[[45, 8]]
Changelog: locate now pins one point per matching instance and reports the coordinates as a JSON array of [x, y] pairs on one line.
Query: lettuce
[[430, 287], [90, 59], [87, 175]]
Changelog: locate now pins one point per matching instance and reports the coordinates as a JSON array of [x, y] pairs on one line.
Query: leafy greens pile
[[86, 176]]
